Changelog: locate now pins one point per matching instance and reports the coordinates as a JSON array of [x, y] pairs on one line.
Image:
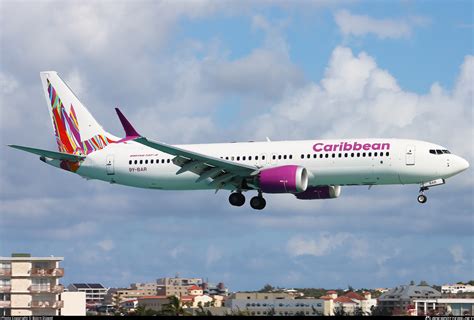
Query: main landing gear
[[422, 198], [238, 199]]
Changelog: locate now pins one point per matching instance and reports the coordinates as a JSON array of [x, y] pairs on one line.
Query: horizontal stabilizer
[[50, 154]]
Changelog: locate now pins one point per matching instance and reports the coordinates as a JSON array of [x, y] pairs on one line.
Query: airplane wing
[[50, 154], [221, 172]]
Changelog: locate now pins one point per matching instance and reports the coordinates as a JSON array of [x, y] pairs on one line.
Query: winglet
[[129, 129]]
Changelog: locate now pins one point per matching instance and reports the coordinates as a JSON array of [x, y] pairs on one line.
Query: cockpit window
[[437, 151]]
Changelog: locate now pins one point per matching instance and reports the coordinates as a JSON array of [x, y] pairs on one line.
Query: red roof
[[331, 292], [325, 297], [187, 298], [194, 287], [354, 295], [344, 299]]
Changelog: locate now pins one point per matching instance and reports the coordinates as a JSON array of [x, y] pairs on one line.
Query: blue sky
[[203, 71]]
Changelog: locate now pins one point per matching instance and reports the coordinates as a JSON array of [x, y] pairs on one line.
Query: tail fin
[[76, 130]]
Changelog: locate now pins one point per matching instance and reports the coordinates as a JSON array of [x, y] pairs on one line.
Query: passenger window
[[375, 154], [256, 157], [345, 155], [326, 155], [352, 155], [151, 161], [358, 154], [340, 155], [321, 155], [141, 161], [227, 158], [238, 158], [370, 154], [130, 162], [363, 154], [432, 151], [308, 156], [243, 158], [439, 152], [250, 157], [315, 156], [274, 157], [232, 158], [146, 161], [333, 155], [168, 160], [136, 161], [157, 160], [387, 154], [279, 157], [284, 157], [162, 160], [302, 156]]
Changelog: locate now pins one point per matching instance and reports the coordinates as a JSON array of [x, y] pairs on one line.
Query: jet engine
[[321, 192], [283, 179]]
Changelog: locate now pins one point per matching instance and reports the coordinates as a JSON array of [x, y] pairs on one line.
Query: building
[[399, 300], [266, 304], [155, 303], [95, 292], [212, 289], [176, 286], [443, 307], [29, 286], [350, 303], [457, 288], [74, 304]]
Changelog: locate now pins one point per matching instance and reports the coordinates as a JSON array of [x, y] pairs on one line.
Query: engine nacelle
[[283, 179], [323, 192]]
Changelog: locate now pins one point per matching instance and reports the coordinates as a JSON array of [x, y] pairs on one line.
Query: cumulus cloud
[[298, 246], [356, 98], [106, 244], [359, 25], [457, 253]]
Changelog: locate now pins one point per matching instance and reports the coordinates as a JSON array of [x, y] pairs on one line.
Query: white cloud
[[213, 255], [298, 245], [358, 99], [106, 244], [360, 25], [457, 252]]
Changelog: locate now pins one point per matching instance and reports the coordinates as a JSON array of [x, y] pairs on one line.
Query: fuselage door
[[109, 165], [410, 155]]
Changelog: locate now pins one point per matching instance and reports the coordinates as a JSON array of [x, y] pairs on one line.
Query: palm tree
[[174, 308]]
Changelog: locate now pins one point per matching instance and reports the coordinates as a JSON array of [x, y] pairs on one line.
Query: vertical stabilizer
[[76, 130]]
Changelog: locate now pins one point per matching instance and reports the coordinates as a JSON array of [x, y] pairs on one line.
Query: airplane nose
[[463, 164]]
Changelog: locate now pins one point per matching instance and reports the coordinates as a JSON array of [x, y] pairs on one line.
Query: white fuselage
[[379, 161]]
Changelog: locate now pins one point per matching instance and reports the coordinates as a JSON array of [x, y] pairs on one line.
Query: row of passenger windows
[[244, 158], [346, 155], [437, 151], [274, 157], [151, 161]]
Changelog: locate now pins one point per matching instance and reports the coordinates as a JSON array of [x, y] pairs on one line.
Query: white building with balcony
[[29, 286]]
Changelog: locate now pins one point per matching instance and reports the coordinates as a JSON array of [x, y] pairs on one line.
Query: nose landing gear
[[422, 198]]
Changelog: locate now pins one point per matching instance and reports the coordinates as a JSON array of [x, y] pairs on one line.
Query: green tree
[[267, 288], [174, 308], [412, 283]]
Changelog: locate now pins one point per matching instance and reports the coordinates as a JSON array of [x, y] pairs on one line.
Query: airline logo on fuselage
[[350, 146]]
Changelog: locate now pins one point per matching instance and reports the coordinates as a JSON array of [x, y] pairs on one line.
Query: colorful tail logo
[[67, 132]]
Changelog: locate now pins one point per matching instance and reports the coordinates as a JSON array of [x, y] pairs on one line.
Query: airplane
[[310, 169]]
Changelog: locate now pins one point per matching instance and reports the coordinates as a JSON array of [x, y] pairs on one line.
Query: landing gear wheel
[[237, 199], [258, 203], [422, 198]]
